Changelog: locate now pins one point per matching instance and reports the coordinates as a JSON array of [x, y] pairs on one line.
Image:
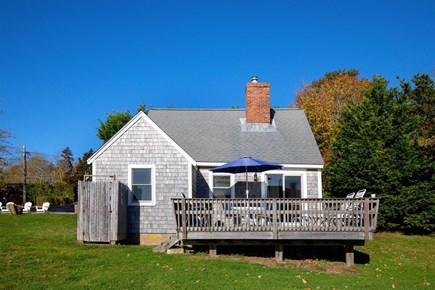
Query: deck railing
[[275, 218]]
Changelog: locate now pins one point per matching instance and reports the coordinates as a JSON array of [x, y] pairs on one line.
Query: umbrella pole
[[247, 189]]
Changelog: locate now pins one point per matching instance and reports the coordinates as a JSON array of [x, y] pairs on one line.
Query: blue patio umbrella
[[246, 164]]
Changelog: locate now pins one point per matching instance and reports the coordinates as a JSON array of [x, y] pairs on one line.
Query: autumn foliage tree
[[324, 99]]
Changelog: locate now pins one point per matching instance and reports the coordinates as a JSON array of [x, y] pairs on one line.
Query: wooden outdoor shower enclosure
[[102, 211]]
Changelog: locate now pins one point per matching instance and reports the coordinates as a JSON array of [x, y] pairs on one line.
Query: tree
[[5, 135], [422, 99], [82, 167], [418, 201], [12, 174], [39, 169], [142, 108], [65, 167], [376, 149], [324, 99], [114, 122]]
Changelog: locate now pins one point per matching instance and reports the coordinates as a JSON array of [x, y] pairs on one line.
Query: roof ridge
[[196, 109], [217, 109]]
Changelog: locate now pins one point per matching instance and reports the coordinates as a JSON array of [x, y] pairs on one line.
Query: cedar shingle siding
[[312, 184], [142, 144]]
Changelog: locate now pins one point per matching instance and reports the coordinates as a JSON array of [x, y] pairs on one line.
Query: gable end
[[134, 120]]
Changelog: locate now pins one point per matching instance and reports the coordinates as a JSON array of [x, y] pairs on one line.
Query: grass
[[41, 252]]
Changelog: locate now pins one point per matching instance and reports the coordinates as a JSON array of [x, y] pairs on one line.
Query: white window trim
[[211, 182], [189, 179], [153, 184], [319, 180]]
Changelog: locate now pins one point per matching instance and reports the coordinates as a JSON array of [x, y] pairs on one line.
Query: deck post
[[212, 250], [279, 252], [275, 220], [350, 261], [366, 218], [184, 218]]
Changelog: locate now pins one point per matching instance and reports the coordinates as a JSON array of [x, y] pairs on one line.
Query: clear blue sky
[[65, 64]]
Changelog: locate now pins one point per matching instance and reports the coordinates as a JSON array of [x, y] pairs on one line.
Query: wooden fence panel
[[102, 211]]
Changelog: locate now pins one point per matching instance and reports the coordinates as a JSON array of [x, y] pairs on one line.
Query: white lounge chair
[[43, 208], [27, 207], [360, 193], [350, 195]]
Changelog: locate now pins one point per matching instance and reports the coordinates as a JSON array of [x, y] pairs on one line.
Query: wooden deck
[[276, 221]]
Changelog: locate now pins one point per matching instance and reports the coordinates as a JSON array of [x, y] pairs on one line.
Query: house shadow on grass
[[328, 253]]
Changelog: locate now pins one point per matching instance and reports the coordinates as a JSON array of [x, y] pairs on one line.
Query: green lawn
[[40, 251]]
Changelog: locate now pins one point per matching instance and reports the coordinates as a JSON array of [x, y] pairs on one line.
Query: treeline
[[380, 138], [56, 193], [53, 181]]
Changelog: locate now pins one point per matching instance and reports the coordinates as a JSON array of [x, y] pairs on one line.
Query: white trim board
[[300, 166]]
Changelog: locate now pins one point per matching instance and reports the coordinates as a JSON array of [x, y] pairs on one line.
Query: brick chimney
[[257, 102]]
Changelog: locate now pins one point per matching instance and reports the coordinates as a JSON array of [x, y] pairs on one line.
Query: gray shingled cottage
[[169, 152]]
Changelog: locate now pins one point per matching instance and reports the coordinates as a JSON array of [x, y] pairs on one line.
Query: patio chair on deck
[[350, 195], [347, 212], [43, 208], [27, 206], [360, 193]]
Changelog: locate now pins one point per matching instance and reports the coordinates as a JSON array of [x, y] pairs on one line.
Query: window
[[284, 186], [274, 186], [141, 182], [221, 186], [293, 187]]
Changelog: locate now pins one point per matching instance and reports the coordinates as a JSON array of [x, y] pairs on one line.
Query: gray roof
[[216, 136]]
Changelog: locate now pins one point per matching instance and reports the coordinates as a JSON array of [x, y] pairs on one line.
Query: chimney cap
[[254, 79]]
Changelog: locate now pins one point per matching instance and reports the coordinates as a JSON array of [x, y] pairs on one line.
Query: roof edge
[[284, 165], [218, 109]]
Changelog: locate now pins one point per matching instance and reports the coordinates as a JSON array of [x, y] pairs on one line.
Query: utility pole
[[24, 173]]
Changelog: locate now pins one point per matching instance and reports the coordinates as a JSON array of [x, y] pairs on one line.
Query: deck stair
[[166, 245]]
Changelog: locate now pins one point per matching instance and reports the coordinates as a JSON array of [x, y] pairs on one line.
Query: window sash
[[221, 186], [142, 185]]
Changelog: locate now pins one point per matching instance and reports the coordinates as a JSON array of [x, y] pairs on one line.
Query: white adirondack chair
[[43, 208], [27, 207], [5, 209]]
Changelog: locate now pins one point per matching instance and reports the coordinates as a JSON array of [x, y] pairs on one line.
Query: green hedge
[[57, 194]]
